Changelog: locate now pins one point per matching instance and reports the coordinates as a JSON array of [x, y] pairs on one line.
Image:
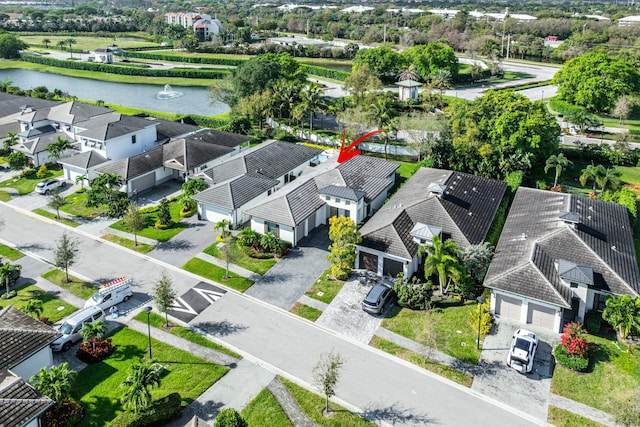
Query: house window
[[337, 200], [133, 139], [600, 301], [346, 202], [573, 284], [272, 227], [327, 197]]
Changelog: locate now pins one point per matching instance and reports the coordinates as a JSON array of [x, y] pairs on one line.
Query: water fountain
[[168, 93]]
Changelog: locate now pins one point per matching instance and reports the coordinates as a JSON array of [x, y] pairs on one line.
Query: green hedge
[[185, 58], [160, 410], [325, 72], [130, 71], [571, 361], [562, 107]]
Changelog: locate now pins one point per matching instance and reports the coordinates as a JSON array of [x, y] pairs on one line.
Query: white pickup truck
[[111, 293]]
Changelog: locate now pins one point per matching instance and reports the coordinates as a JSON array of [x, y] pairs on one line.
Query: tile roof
[[37, 131], [236, 192], [187, 153], [12, 104], [106, 128], [535, 239], [84, 160], [342, 192], [19, 402], [167, 130], [73, 112], [218, 137], [131, 167], [464, 212], [21, 336]]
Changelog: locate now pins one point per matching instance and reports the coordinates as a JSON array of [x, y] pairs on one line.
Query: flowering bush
[[95, 350], [573, 339]]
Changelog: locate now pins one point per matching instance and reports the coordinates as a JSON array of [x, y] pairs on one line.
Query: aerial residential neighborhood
[[319, 214]]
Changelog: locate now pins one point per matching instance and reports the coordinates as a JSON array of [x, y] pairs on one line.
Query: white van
[[111, 293], [70, 329]]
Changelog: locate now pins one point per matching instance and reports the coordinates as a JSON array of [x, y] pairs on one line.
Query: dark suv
[[376, 299]]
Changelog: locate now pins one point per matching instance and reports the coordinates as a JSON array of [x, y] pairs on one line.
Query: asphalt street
[[384, 388]]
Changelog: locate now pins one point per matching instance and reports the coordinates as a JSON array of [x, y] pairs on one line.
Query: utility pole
[[384, 34], [508, 44]]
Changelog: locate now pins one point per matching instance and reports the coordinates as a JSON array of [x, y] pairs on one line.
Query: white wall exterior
[[122, 146], [407, 269], [285, 232], [31, 366], [356, 209], [525, 307]]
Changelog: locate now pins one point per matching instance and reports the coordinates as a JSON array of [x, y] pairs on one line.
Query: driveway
[[288, 280], [528, 393]]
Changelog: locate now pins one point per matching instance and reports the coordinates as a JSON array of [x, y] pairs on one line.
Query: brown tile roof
[[19, 402]]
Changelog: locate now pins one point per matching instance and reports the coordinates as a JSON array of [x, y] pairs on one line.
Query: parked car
[[522, 351], [379, 295], [70, 329], [48, 185]]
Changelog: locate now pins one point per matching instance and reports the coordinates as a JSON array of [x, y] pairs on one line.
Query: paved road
[[385, 389]]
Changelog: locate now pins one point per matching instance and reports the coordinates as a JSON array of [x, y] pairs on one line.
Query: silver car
[[48, 185]]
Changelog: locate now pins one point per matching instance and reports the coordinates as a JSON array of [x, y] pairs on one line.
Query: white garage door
[[508, 307], [143, 183], [542, 316], [212, 214]]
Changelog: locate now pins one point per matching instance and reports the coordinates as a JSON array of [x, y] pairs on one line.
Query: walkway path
[[581, 409]]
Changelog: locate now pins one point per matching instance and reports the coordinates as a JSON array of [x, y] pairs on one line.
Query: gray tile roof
[[368, 166], [19, 402], [131, 167], [218, 137], [21, 336], [534, 239], [464, 212], [113, 127], [167, 130], [187, 153], [84, 160], [37, 131], [12, 104], [236, 192], [73, 112], [342, 192]]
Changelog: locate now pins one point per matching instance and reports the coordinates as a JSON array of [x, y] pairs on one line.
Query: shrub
[[513, 180], [160, 226], [66, 413], [248, 238], [28, 172], [414, 296], [95, 350], [571, 361], [593, 321], [485, 319], [229, 417], [42, 171], [10, 294], [573, 339], [159, 410]]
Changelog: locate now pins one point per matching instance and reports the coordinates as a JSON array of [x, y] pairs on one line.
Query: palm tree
[[33, 307], [441, 81], [270, 242], [223, 226], [609, 178], [61, 44], [381, 114], [70, 42], [311, 102], [591, 173], [623, 313], [80, 179], [410, 73], [142, 376], [443, 259], [57, 148], [12, 139], [54, 381], [7, 271], [92, 330], [46, 43], [558, 162]]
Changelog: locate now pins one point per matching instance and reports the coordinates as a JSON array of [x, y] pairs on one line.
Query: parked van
[[111, 293], [70, 329]]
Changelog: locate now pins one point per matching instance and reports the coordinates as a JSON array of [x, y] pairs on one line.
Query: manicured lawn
[[158, 321], [613, 374], [563, 418], [84, 290], [265, 411], [313, 405], [4, 196], [449, 320], [98, 386], [26, 185], [325, 288], [77, 206], [51, 215], [53, 308], [239, 258], [418, 359], [86, 43], [142, 248], [150, 231], [215, 273], [10, 253], [308, 312]]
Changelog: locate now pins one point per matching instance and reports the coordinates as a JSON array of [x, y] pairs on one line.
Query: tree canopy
[[429, 58], [384, 62], [596, 80], [10, 46]]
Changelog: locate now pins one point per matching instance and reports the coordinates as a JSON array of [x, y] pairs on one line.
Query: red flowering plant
[[573, 339]]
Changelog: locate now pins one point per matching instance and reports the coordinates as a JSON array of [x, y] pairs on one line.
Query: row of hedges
[[325, 72], [562, 107], [233, 62], [130, 71], [160, 410]]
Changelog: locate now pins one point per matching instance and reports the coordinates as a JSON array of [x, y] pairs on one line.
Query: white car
[[522, 351], [48, 185]]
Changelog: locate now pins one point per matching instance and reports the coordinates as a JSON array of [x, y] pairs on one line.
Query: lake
[[194, 99]]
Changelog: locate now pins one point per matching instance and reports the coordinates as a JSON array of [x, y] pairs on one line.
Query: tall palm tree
[[441, 81], [61, 44], [443, 260], [54, 381], [381, 114], [592, 173], [70, 42], [311, 102], [92, 330], [558, 162], [610, 178], [46, 43], [137, 395], [7, 271], [57, 148], [223, 226], [410, 73]]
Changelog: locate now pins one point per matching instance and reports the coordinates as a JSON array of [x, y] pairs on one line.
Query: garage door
[[542, 316], [143, 183], [391, 267], [213, 215], [508, 307], [368, 261]]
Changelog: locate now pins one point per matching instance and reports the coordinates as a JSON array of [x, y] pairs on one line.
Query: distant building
[[408, 89], [628, 21], [446, 14], [205, 27]]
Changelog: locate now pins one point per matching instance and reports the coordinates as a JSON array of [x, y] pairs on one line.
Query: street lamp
[[480, 302], [148, 309]]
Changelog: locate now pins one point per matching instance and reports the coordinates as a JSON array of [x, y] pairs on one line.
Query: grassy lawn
[[150, 231], [449, 320], [98, 386], [84, 290], [4, 196], [86, 43], [265, 411], [215, 273], [239, 258], [563, 418], [142, 248], [325, 288], [418, 359], [308, 312], [158, 321], [10, 253], [313, 405], [77, 206], [51, 215], [613, 374], [53, 308], [28, 184]]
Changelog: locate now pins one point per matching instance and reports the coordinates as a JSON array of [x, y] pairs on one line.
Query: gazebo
[[408, 89]]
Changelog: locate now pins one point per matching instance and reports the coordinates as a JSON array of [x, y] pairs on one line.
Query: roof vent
[[524, 236], [613, 248], [436, 189], [571, 218], [474, 189]]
